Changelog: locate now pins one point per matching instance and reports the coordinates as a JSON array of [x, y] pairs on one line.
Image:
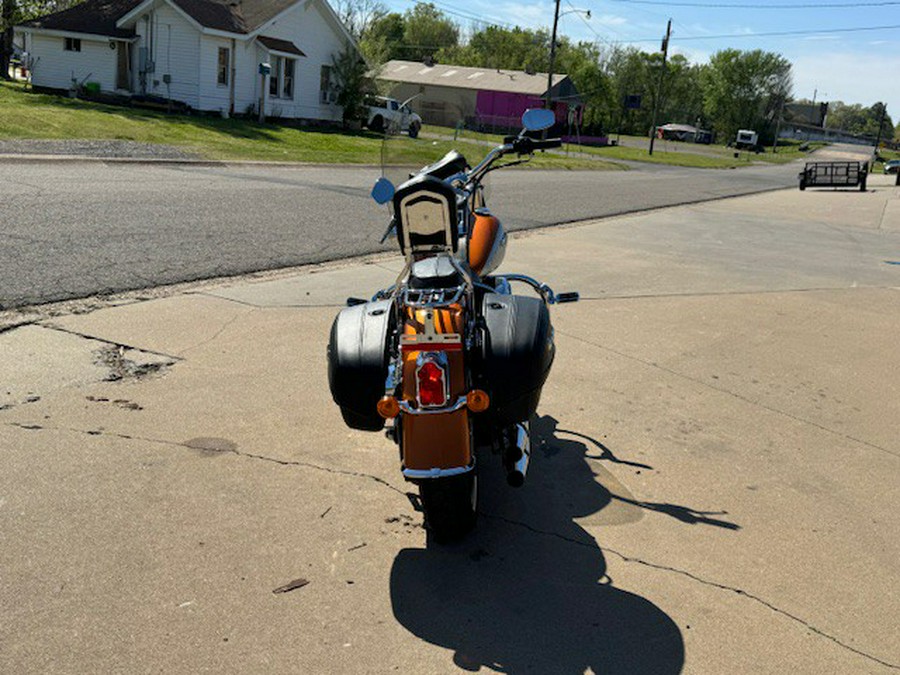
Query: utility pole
[[662, 73], [552, 54], [778, 123], [811, 114], [880, 124]]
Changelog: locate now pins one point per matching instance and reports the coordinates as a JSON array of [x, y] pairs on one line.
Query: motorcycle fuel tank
[[486, 244]]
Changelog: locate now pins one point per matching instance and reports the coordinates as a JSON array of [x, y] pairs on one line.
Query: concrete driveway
[[714, 489]]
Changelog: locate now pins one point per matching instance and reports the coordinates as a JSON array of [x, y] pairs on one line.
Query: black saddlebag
[[517, 354], [358, 360]]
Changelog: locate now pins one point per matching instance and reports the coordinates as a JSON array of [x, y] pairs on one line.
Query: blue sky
[[855, 67]]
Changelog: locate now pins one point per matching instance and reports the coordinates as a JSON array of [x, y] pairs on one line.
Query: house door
[[123, 69]]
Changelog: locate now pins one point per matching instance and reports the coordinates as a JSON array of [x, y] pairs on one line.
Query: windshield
[[407, 149]]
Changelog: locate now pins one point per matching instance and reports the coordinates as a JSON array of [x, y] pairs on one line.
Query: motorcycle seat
[[448, 165], [434, 272]]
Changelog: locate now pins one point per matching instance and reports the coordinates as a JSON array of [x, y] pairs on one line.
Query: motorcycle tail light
[[432, 389]]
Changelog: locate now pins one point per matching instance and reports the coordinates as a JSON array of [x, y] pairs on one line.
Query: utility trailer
[[834, 174]]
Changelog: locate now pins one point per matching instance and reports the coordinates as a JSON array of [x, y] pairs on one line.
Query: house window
[[224, 59], [73, 44], [288, 87], [281, 79], [275, 77], [327, 93]]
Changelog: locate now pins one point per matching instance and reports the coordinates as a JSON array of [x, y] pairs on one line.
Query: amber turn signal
[[477, 400], [388, 407]]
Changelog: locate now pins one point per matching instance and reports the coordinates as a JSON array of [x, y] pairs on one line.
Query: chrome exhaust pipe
[[519, 468]]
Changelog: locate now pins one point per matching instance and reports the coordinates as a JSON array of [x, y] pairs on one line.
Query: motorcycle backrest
[[426, 216]]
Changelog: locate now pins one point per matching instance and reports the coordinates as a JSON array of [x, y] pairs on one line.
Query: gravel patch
[[102, 149]]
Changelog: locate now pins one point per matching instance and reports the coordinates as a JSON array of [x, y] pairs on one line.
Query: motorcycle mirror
[[538, 119], [383, 191]]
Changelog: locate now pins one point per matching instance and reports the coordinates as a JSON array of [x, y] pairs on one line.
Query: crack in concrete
[[112, 343], [693, 577], [175, 444], [625, 558], [733, 394], [219, 332], [254, 305]]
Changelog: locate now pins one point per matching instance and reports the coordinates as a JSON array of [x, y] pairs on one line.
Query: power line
[[589, 26], [776, 33], [722, 5], [468, 16]]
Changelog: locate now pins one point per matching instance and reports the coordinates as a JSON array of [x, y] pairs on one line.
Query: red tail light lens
[[432, 389]]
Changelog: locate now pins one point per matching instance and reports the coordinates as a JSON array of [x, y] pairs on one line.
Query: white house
[[204, 53]]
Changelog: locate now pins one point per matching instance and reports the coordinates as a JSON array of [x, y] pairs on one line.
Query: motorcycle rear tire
[[450, 506]]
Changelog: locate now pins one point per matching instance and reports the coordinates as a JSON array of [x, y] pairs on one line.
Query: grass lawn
[[26, 115], [664, 152]]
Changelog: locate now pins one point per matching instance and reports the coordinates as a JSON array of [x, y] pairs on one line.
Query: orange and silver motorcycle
[[448, 355]]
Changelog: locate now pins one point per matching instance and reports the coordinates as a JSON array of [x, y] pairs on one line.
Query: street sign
[[633, 102]]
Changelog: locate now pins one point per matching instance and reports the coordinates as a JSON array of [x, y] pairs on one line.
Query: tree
[[502, 48], [359, 15], [382, 39], [7, 21], [745, 90], [875, 115], [856, 119], [426, 31], [349, 70], [581, 62]]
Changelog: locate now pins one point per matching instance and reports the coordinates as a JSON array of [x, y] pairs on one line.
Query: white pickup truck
[[384, 112]]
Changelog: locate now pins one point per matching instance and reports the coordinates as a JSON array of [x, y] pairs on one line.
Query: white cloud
[[608, 20], [839, 77], [530, 15]]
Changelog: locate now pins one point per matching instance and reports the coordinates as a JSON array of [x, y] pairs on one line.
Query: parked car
[[892, 166], [384, 111]]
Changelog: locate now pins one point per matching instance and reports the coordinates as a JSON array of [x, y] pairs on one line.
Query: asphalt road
[[75, 229]]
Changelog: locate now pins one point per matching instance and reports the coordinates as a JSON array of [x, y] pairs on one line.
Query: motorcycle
[[448, 355]]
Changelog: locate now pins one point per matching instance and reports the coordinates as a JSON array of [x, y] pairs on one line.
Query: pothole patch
[[209, 446], [130, 364]]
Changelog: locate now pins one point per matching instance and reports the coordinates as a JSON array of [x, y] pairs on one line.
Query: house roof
[[99, 17], [96, 17], [234, 16], [276, 45], [484, 79]]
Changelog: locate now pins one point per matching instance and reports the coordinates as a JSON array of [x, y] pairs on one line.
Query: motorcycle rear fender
[[439, 440]]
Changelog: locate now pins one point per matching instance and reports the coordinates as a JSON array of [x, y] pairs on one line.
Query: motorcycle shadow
[[528, 590]]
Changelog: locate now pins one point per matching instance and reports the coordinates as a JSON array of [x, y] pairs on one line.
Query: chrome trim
[[437, 297], [393, 378], [422, 474], [543, 289], [518, 471], [405, 407], [503, 287]]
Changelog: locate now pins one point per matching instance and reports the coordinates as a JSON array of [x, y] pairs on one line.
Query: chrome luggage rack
[[431, 297]]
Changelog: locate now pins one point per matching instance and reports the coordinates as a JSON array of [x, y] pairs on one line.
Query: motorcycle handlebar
[[521, 145], [525, 145]]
